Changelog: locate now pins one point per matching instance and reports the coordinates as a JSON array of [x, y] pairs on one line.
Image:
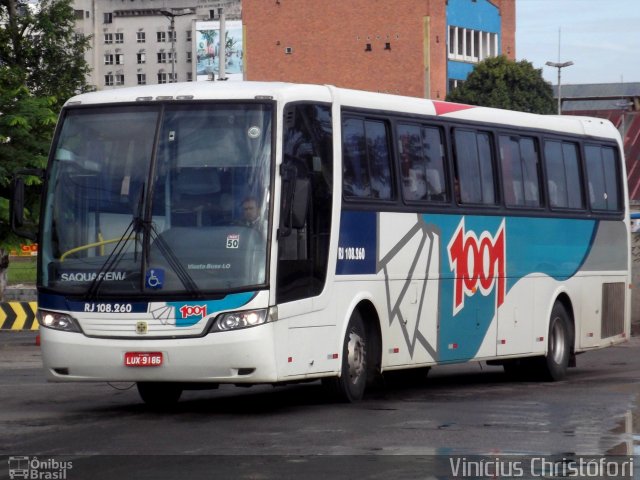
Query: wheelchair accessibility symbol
[[154, 278]]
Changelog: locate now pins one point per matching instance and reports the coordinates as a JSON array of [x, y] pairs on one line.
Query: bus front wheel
[[555, 363], [350, 385], [159, 394]]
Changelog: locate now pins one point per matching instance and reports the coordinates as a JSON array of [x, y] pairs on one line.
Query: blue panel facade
[[476, 15], [459, 70]]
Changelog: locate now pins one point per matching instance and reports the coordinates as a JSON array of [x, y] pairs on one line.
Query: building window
[[189, 33], [108, 80], [164, 57], [471, 45], [166, 77], [141, 57], [119, 58], [142, 79], [171, 36], [108, 17], [108, 38], [108, 59], [79, 14], [189, 77], [140, 37], [161, 36], [119, 37], [189, 57], [120, 79]]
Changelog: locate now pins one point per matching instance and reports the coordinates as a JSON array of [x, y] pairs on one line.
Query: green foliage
[[26, 127], [43, 45], [41, 66], [502, 83]]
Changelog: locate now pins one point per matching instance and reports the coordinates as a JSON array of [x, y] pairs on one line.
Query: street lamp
[[559, 66], [171, 15]]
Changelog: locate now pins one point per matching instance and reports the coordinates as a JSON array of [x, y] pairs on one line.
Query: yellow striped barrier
[[18, 316]]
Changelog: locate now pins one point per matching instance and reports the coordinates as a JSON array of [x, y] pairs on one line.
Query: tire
[[159, 394], [560, 342], [350, 385]]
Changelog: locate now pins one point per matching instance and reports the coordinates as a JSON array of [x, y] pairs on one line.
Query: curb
[[18, 316]]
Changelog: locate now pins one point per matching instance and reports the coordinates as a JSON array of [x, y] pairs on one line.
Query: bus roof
[[286, 92]]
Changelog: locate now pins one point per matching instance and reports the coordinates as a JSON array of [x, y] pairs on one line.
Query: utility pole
[[559, 65], [171, 15], [222, 60]]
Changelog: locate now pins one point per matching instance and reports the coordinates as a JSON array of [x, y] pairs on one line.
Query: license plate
[[142, 359]]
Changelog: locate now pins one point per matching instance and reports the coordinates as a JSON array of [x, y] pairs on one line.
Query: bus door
[[303, 237]]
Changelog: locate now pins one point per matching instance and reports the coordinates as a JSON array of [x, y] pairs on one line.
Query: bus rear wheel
[[555, 363], [350, 385], [159, 394]]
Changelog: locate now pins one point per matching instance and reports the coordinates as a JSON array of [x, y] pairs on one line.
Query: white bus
[[265, 233]]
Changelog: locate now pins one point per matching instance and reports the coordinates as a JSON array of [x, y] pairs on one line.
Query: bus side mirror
[[17, 205]]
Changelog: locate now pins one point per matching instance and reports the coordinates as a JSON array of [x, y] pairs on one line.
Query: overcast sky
[[601, 38]]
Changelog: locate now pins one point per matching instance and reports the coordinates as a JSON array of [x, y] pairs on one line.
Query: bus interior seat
[[196, 191]]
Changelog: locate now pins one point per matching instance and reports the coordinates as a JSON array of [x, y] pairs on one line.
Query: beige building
[[132, 41]]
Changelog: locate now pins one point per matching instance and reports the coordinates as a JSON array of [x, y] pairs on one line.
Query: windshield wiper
[[139, 225], [136, 225], [178, 268], [111, 260]]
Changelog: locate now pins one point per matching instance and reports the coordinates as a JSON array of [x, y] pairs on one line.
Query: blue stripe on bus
[[60, 302], [191, 312], [548, 246], [553, 247], [187, 313]]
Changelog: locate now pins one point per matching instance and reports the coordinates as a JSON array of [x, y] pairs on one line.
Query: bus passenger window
[[602, 176], [474, 167], [563, 175], [422, 163], [366, 159], [520, 171]]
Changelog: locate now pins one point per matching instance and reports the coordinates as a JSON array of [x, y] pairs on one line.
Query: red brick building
[[411, 47]]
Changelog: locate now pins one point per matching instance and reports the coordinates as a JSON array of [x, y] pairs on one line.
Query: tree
[[26, 125], [43, 45], [41, 65], [502, 83]]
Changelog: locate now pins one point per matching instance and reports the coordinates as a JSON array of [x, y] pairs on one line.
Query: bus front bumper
[[241, 356]]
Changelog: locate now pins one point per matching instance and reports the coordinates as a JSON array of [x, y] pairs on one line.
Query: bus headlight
[[57, 321], [237, 320]]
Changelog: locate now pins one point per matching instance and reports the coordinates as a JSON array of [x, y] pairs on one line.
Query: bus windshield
[[162, 199]]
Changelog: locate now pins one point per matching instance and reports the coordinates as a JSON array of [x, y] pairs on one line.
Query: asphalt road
[[406, 430]]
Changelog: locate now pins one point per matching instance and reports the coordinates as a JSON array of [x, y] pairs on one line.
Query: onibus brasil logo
[[35, 468], [478, 264]]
